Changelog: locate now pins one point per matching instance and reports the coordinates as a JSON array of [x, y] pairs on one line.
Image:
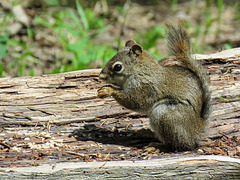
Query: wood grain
[[37, 114]]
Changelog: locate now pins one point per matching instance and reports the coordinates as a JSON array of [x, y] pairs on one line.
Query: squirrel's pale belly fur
[[174, 96]]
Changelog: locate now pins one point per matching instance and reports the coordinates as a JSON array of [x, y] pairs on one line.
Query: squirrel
[[172, 92]]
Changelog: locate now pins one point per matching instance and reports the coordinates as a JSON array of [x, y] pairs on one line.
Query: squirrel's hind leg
[[174, 125]]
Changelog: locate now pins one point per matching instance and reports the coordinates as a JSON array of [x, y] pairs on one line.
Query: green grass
[[83, 26], [21, 58], [76, 28], [148, 40]]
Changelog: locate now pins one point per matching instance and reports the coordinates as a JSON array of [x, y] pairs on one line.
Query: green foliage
[[52, 2], [228, 46], [17, 60], [3, 42], [3, 46], [208, 15], [220, 10], [75, 30], [3, 51], [223, 99], [21, 59], [3, 35], [149, 39], [237, 10], [203, 28], [173, 4], [31, 33]]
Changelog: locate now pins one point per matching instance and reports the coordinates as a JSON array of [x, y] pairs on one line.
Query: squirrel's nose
[[102, 76]]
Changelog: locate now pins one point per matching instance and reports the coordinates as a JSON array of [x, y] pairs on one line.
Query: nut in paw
[[104, 92]]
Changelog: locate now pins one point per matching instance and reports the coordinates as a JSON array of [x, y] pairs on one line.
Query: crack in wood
[[43, 111], [81, 77], [66, 87], [69, 102]]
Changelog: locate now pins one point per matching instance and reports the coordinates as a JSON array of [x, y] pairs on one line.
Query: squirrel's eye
[[117, 67]]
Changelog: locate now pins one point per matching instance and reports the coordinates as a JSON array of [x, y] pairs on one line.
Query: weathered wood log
[[201, 167], [37, 114]]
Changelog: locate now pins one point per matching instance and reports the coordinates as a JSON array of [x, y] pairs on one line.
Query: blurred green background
[[53, 36]]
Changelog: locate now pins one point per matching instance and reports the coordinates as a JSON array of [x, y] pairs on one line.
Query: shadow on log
[[37, 115]]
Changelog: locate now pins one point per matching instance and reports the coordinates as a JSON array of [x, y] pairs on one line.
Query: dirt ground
[[135, 17]]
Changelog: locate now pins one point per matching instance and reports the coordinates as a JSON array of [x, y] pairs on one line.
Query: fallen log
[[201, 167], [58, 119]]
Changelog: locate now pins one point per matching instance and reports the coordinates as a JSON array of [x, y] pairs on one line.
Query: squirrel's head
[[121, 66]]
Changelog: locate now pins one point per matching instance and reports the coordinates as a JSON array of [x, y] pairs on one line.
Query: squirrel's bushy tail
[[179, 46]]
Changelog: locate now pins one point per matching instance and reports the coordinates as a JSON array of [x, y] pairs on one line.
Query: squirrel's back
[[175, 96], [179, 46]]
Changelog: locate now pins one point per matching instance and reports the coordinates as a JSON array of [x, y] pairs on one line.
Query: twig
[[5, 145]]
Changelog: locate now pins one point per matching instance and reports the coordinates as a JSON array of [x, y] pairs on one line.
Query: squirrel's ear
[[129, 43], [136, 49]]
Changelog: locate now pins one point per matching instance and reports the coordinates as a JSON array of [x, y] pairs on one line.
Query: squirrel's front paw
[[105, 91]]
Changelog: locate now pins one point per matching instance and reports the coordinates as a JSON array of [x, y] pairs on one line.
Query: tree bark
[[37, 114], [201, 167]]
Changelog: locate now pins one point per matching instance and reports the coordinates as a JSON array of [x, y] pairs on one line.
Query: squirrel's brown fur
[[172, 92]]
